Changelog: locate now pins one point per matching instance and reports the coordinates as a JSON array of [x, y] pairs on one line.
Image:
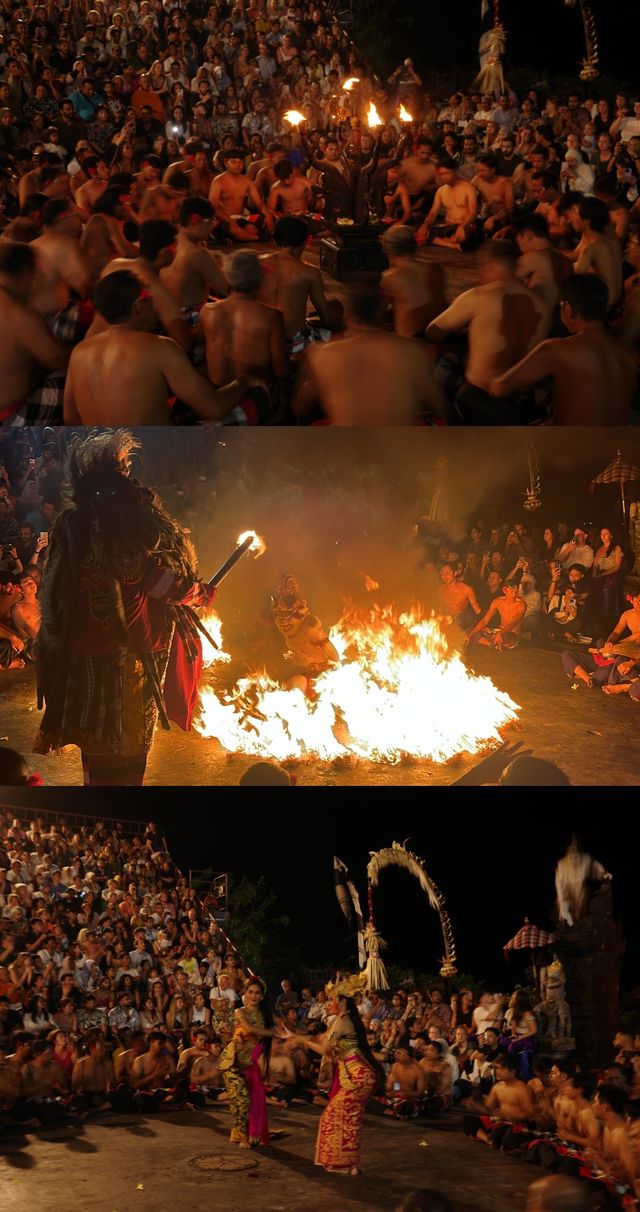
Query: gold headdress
[[347, 985]]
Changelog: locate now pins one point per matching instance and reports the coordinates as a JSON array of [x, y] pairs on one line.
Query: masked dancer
[[119, 646]]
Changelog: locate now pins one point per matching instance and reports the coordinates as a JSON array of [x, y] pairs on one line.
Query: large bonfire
[[398, 690]]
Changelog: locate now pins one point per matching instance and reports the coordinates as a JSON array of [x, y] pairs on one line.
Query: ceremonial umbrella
[[529, 938], [619, 472]]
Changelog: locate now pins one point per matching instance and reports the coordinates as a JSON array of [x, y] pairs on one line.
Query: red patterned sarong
[[338, 1143]]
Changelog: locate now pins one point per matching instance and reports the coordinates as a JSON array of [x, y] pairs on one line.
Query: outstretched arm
[[211, 403], [484, 621], [537, 365]]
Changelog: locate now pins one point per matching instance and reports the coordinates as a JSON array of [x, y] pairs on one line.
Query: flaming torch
[[293, 117], [403, 114], [373, 117], [351, 99], [249, 541]]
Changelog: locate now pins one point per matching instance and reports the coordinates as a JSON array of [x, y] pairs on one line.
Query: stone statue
[[554, 1007]]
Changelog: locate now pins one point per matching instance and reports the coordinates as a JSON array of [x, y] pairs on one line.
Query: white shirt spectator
[[576, 553], [219, 995]]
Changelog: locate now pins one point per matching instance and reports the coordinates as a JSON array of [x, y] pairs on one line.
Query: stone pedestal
[[591, 952], [352, 250]]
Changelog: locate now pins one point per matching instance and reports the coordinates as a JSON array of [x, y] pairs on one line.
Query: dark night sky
[[494, 862], [546, 36]]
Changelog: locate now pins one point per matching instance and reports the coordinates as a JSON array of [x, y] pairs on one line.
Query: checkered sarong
[[44, 405]]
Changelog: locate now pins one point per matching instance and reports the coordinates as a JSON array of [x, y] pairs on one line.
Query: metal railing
[[213, 891]]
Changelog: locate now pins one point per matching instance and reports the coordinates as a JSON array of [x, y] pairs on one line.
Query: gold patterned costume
[[340, 1129]]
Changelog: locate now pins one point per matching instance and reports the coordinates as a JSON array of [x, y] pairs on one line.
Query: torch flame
[[213, 653], [373, 117], [350, 83], [404, 114], [396, 689], [258, 545], [293, 116]]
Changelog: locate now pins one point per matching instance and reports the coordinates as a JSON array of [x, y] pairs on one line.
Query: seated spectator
[[520, 1029]]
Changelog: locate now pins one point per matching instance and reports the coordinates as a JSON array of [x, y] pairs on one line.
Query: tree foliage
[[382, 32], [257, 930]]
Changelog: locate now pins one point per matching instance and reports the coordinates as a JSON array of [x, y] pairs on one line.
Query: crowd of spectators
[[31, 478], [554, 585], [135, 138], [118, 990], [104, 951]]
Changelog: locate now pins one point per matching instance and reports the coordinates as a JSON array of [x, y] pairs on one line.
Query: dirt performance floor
[[184, 1160], [592, 737]]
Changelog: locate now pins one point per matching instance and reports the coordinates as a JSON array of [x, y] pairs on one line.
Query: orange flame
[[350, 83], [396, 689], [373, 117], [213, 654], [293, 116], [403, 114], [258, 545], [370, 584]]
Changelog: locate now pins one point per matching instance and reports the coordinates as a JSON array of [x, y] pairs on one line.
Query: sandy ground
[[122, 1164], [594, 739]]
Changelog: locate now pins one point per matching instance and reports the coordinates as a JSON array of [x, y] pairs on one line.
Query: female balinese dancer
[[356, 1076], [240, 1065]]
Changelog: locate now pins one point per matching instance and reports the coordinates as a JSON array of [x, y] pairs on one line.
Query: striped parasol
[[619, 472], [529, 938]]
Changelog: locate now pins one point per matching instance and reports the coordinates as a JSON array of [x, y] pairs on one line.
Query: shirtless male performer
[[195, 272], [371, 377], [103, 236], [87, 195], [244, 337], [414, 286], [309, 648], [153, 1073], [27, 348], [289, 195], [459, 201], [509, 1102], [628, 670], [418, 176], [232, 194], [62, 265], [510, 610], [25, 613], [92, 1077], [540, 266], [125, 374], [457, 598], [406, 1084], [594, 375], [290, 283], [504, 320], [496, 193], [599, 251], [157, 240]]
